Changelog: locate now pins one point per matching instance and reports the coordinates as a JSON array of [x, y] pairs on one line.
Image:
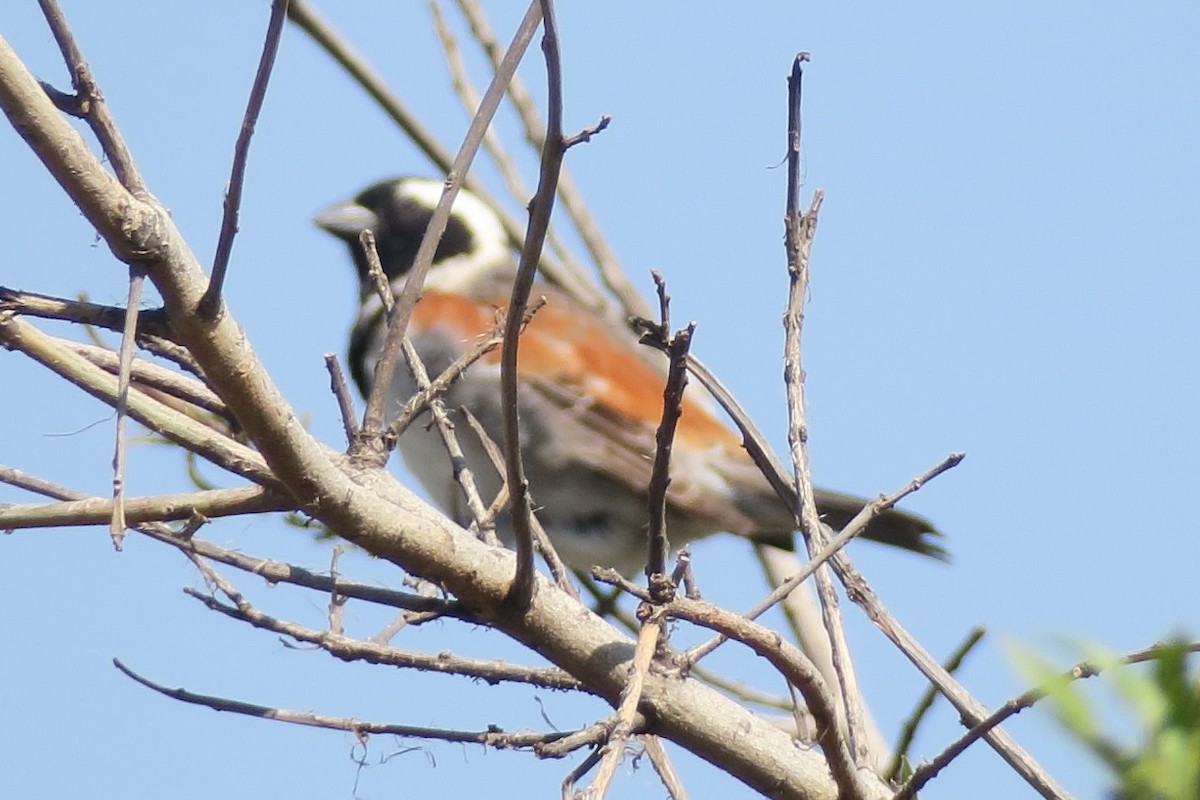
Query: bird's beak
[[347, 220]]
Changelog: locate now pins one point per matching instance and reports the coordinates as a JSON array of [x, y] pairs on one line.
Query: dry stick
[[611, 273], [399, 318], [90, 103], [800, 229], [610, 576], [463, 475], [155, 508], [593, 734], [908, 731], [194, 436], [486, 527], [488, 738], [683, 574], [521, 591], [1084, 669], [419, 402], [796, 668], [211, 300], [662, 765], [621, 724], [336, 643], [341, 392], [116, 527], [661, 587], [349, 649]]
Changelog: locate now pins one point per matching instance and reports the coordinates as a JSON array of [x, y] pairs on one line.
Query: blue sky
[[1005, 265]]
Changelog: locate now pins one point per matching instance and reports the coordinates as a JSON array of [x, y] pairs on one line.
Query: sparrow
[[589, 403]]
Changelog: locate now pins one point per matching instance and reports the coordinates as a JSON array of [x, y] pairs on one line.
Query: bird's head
[[398, 211]]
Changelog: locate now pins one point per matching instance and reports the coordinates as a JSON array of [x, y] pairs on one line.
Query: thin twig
[[661, 587], [212, 503], [464, 475], [211, 300], [348, 649], [271, 571], [399, 318], [971, 710], [147, 374], [541, 539], [521, 591], [337, 602], [584, 767], [419, 402], [490, 738], [800, 229], [117, 526]]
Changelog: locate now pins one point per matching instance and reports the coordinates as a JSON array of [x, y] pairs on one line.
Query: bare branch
[[800, 229], [535, 236], [464, 475], [147, 374], [505, 164], [662, 765], [157, 508], [348, 649], [241, 152], [490, 738], [124, 363], [661, 587]]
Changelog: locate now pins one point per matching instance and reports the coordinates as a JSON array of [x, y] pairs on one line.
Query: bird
[[589, 403]]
